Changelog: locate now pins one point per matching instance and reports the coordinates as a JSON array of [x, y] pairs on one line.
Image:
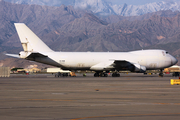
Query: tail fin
[[30, 41]]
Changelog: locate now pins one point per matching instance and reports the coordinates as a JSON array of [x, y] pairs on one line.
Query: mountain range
[[102, 7], [65, 28]]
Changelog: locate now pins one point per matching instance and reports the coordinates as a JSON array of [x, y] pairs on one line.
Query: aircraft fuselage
[[151, 59]]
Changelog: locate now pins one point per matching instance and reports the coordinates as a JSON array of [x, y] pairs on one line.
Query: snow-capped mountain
[[96, 6], [43, 2], [135, 10], [103, 7]]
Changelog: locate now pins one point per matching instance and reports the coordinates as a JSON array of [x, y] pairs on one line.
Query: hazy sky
[[134, 2]]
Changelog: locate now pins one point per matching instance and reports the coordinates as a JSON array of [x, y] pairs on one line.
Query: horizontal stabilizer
[[13, 55], [35, 55]]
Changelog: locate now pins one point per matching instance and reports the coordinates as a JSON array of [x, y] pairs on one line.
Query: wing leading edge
[[119, 65]]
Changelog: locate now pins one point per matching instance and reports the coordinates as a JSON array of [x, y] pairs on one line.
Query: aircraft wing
[[126, 65], [119, 65], [123, 65], [108, 65]]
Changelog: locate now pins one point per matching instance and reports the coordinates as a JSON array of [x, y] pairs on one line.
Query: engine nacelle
[[23, 54], [139, 68]]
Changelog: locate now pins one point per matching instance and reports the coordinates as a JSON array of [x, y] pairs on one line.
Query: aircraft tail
[[29, 40]]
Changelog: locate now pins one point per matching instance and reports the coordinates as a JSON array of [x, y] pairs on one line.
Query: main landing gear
[[116, 74], [103, 74], [100, 74]]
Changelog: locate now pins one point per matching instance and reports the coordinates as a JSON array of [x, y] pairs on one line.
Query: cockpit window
[[167, 53]]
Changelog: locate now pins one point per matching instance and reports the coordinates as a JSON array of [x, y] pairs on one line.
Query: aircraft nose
[[174, 60]]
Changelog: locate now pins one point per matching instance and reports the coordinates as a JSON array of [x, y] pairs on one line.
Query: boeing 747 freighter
[[100, 62]]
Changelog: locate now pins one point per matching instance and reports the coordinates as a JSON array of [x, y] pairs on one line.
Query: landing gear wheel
[[115, 75], [118, 75], [105, 75], [96, 74], [161, 73]]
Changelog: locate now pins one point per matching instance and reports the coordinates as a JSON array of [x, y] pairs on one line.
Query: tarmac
[[129, 97]]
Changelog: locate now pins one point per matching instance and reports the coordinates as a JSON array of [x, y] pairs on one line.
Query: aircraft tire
[[161, 75], [105, 75], [96, 74], [115, 75]]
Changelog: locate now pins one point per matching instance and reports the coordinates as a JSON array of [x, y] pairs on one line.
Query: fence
[[4, 72]]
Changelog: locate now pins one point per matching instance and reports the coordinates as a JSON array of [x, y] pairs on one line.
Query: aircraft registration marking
[[62, 61]]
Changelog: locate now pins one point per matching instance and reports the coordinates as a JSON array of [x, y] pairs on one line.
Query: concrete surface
[[130, 97]]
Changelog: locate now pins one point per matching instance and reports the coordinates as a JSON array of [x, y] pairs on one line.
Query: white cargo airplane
[[100, 62]]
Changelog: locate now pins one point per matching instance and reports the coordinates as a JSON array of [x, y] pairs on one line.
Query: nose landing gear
[[161, 73]]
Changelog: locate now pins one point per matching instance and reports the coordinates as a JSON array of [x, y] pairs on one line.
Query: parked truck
[[59, 72], [175, 70]]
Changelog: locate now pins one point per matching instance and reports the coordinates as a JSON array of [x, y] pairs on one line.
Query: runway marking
[[50, 100], [167, 103], [129, 115]]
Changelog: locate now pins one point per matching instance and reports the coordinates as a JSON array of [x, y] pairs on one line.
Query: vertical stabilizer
[[30, 41]]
